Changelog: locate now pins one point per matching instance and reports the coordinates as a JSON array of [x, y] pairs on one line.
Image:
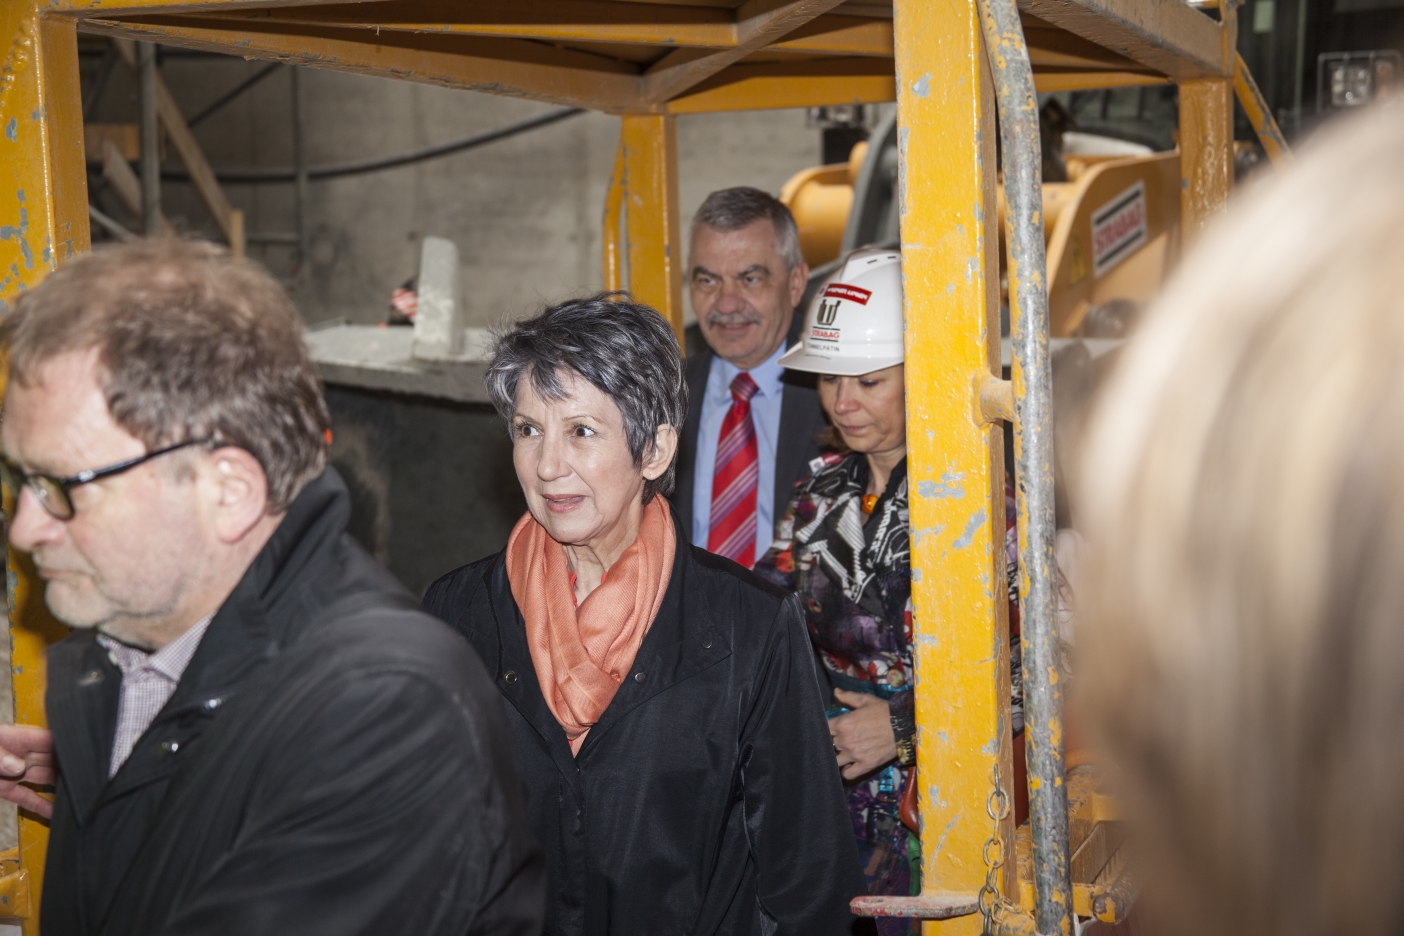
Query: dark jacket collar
[[268, 609], [680, 643]]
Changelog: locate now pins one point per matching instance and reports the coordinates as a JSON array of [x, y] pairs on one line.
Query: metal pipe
[[357, 167], [238, 89], [112, 227], [300, 168], [150, 141], [1259, 114], [1033, 448], [99, 85]]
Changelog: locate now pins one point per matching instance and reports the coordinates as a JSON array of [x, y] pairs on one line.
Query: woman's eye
[[869, 384], [525, 430], [828, 379], [583, 432]]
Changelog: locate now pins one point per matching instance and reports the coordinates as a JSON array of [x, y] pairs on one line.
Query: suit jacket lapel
[[514, 657], [236, 643], [800, 420], [81, 702], [698, 369]]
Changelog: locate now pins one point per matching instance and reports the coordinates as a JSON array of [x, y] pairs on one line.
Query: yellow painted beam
[[841, 35], [773, 85], [653, 242], [758, 24], [558, 20], [1167, 36], [169, 6], [1259, 114], [1048, 82], [595, 21], [43, 223], [1206, 152], [955, 460], [515, 68]]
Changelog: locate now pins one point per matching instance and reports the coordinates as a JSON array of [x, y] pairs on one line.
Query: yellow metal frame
[[649, 62]]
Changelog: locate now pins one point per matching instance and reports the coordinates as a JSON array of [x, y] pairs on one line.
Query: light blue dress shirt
[[765, 414]]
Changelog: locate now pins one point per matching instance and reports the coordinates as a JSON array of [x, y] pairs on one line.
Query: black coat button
[[706, 643], [170, 747], [509, 677], [638, 677]]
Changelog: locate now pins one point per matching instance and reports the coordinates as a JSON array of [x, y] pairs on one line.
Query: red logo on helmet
[[851, 293]]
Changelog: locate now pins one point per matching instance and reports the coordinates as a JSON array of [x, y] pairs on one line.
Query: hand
[[863, 737], [26, 756]]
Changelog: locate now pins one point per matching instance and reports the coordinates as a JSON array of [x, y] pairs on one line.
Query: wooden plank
[[803, 84], [125, 185], [772, 93], [758, 24], [115, 7], [561, 20], [202, 175], [530, 70], [1167, 36], [841, 35], [1049, 81], [126, 137]]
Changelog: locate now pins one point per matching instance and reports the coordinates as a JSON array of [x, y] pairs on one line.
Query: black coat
[[801, 421], [706, 800], [333, 761]]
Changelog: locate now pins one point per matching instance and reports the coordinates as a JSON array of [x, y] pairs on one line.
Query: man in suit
[[745, 277]]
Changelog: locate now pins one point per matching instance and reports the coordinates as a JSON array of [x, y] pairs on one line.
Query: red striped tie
[[733, 530]]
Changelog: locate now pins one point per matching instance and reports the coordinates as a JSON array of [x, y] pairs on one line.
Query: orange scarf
[[582, 654]]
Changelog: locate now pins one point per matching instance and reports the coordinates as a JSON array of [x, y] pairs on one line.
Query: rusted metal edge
[[936, 906], [1169, 36]]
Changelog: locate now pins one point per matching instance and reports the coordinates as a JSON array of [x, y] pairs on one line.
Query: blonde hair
[[1242, 493]]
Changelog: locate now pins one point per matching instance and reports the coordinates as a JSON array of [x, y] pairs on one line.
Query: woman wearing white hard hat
[[843, 546]]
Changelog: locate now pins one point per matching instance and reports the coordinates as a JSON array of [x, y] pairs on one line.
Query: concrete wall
[[525, 212]]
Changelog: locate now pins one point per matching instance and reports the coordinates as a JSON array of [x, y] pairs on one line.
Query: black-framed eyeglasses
[[53, 493]]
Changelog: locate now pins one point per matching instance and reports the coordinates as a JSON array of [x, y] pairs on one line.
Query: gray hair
[[624, 348], [735, 208]]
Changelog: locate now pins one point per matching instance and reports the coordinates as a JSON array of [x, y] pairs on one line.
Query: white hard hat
[[854, 324]]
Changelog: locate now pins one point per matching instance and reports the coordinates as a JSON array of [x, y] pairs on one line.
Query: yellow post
[[1206, 137], [610, 234], [1206, 151], [955, 459], [43, 223], [652, 241]]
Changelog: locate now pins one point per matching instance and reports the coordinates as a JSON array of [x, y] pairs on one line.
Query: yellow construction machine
[[1111, 231]]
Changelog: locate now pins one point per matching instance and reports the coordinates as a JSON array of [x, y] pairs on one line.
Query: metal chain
[[998, 808]]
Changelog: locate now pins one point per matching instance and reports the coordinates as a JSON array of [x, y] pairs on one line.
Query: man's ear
[[799, 279], [243, 492], [665, 446]]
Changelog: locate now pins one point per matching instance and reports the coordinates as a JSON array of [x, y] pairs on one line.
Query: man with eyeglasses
[[254, 728]]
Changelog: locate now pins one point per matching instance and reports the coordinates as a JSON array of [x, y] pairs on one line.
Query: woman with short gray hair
[[662, 700]]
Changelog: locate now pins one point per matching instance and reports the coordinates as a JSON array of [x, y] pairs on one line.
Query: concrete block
[[438, 325]]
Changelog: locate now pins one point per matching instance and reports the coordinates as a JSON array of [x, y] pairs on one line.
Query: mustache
[[734, 319]]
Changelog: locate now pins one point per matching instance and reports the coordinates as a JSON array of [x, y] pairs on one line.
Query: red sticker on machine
[[1119, 228], [851, 293]]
